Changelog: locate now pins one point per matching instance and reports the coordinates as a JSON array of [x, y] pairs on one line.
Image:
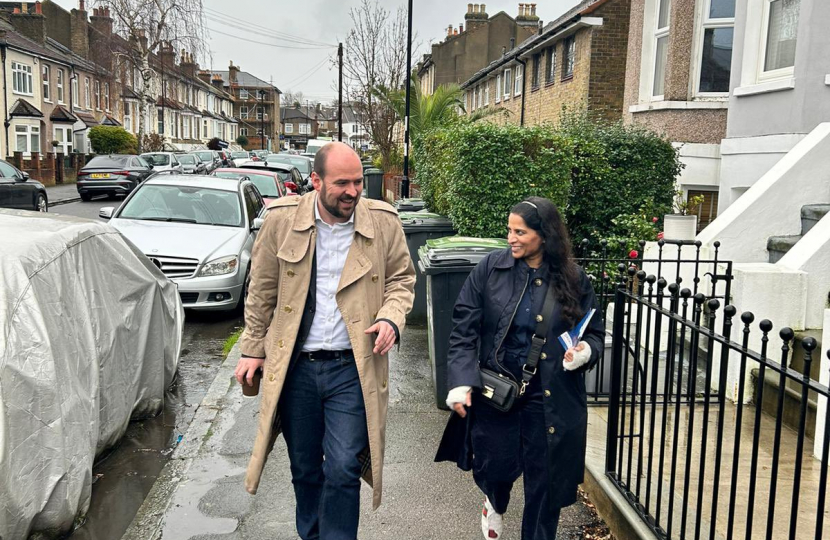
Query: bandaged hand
[[458, 397], [576, 357]]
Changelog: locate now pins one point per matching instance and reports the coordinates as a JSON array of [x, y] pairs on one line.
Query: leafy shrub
[[111, 140], [604, 177], [242, 141], [213, 144]]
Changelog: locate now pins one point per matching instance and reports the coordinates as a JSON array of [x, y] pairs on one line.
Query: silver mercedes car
[[198, 230]]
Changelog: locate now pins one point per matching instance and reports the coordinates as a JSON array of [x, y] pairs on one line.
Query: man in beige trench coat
[[331, 284]]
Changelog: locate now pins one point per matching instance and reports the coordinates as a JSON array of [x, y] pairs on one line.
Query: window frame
[[21, 74], [486, 93], [657, 34], [507, 80], [706, 23], [518, 79], [97, 94], [30, 132], [59, 85], [569, 57], [107, 96], [550, 65], [775, 74], [243, 112], [536, 70], [289, 129], [498, 88], [45, 75], [87, 97]]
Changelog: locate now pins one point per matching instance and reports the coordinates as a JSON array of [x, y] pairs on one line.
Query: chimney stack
[[205, 76], [79, 31], [233, 74], [31, 25], [461, 28], [476, 16], [217, 82], [100, 46]]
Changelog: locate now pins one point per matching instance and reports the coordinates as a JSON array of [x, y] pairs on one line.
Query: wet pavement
[[124, 477], [200, 495]]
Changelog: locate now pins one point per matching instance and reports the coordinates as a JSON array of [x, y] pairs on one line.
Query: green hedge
[[594, 172], [112, 140]]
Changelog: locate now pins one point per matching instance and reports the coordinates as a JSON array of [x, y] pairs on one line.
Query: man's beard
[[333, 209]]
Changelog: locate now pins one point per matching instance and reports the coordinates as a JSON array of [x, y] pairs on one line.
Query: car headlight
[[220, 267]]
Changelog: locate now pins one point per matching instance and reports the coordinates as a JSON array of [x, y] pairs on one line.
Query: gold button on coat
[[287, 309], [290, 273], [547, 393], [537, 282], [280, 344], [384, 383], [375, 278], [551, 430], [543, 356], [539, 318], [271, 377], [369, 243]]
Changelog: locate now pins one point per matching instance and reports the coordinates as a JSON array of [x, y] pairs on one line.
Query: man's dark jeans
[[323, 414]]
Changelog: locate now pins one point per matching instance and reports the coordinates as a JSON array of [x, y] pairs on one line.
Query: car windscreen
[[266, 185], [240, 155], [185, 204], [108, 161], [205, 156], [226, 174], [285, 176], [157, 159], [303, 165], [187, 160]]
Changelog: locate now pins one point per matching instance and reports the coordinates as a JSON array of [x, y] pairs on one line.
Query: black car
[[115, 174], [289, 174], [210, 158], [17, 190]]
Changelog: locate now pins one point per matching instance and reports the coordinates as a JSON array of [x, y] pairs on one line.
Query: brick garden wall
[[46, 169]]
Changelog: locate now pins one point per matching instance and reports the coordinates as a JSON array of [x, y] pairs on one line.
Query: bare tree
[[293, 99], [375, 57], [147, 25]]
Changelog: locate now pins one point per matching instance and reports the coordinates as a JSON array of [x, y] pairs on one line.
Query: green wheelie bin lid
[[428, 222], [455, 253], [409, 205]]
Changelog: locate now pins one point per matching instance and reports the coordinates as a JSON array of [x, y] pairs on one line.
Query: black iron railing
[[691, 462], [608, 262]]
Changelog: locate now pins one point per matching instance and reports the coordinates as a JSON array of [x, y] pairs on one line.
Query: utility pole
[[262, 118], [340, 94], [405, 181]]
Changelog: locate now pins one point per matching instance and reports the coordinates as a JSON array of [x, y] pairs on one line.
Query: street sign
[[282, 137], [364, 147], [223, 144]]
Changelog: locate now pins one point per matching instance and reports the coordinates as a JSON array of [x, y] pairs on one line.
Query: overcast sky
[[324, 22]]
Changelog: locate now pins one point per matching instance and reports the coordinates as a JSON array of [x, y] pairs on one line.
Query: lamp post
[[405, 181]]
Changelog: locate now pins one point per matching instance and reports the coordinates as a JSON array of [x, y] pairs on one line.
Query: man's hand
[[245, 369], [386, 336]]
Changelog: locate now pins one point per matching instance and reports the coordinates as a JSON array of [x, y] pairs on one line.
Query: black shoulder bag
[[501, 391]]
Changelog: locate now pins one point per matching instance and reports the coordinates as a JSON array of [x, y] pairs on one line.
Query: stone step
[[812, 214], [778, 246]]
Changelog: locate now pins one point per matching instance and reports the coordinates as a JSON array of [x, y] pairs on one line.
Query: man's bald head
[[336, 151]]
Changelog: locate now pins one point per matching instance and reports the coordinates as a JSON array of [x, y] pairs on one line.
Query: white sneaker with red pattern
[[491, 522]]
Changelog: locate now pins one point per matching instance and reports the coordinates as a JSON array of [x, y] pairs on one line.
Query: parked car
[[209, 158], [191, 164], [239, 158], [290, 175], [91, 337], [269, 183], [199, 231], [17, 190], [303, 164], [163, 161], [114, 174]]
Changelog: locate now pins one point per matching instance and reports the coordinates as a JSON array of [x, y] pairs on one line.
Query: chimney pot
[[82, 6], [484, 8], [449, 30], [521, 10], [469, 8], [533, 9], [24, 7], [477, 8], [16, 10], [512, 43], [38, 8], [455, 32], [460, 28]]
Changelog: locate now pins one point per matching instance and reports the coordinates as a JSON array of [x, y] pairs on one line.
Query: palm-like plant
[[426, 112]]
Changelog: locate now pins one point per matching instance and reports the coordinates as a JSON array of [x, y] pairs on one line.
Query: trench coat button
[[383, 385], [537, 282], [539, 318], [375, 278], [290, 273], [287, 309], [271, 377], [280, 344], [368, 243], [551, 430], [547, 393], [543, 356]]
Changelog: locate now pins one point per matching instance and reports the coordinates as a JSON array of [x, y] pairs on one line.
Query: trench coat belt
[[327, 355]]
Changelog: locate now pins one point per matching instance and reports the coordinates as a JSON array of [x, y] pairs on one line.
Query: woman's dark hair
[[542, 216]]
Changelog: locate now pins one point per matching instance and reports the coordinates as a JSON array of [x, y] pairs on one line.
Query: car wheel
[[240, 305], [86, 197], [41, 205]]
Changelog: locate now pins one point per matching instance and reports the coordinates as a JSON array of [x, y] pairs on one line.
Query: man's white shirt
[[328, 331]]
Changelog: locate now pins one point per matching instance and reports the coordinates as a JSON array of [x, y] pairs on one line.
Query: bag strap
[[537, 342]]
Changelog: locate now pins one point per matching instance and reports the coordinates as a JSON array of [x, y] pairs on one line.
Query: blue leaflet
[[571, 338]]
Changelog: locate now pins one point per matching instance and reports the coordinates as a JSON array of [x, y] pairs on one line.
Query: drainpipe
[[524, 79], [6, 122]]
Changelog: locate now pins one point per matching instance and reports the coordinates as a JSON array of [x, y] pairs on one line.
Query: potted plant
[[682, 224]]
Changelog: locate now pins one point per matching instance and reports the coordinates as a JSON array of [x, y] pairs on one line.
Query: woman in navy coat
[[543, 436]]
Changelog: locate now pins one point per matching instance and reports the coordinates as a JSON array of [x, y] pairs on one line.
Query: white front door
[[63, 134]]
